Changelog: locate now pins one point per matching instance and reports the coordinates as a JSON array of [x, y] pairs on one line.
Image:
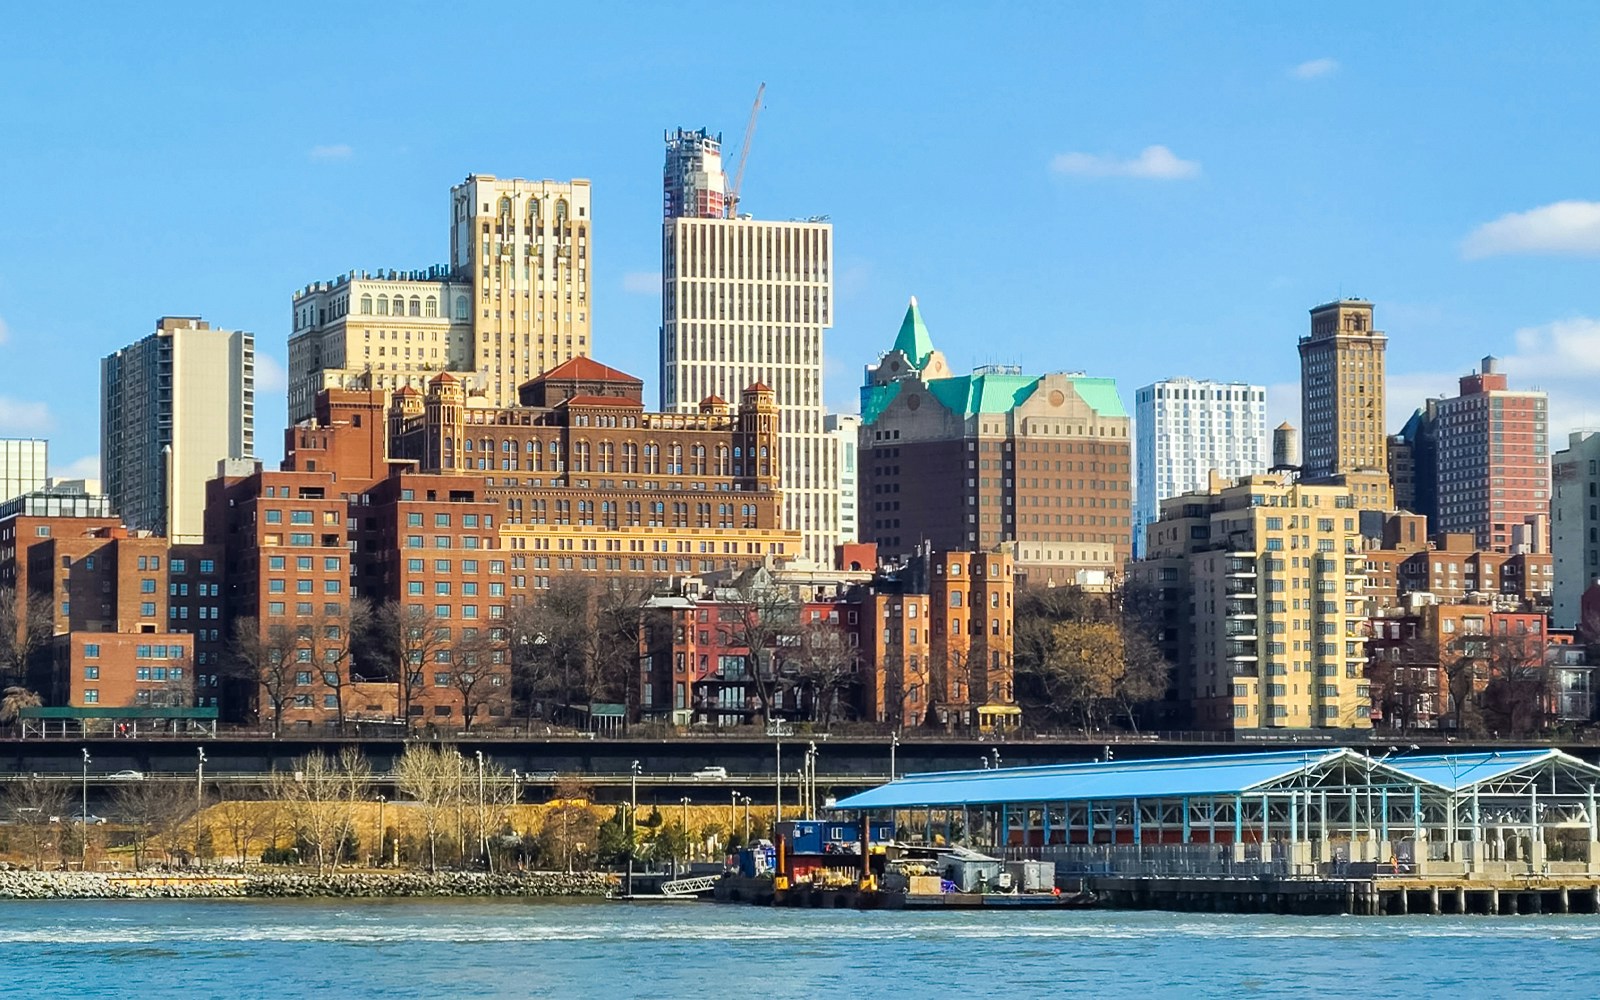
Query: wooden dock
[[1358, 896]]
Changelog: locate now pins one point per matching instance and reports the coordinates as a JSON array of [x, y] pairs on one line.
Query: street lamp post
[[747, 821], [778, 743], [685, 801], [199, 798], [483, 831], [894, 744], [83, 838], [381, 801], [633, 818], [733, 813], [996, 752]]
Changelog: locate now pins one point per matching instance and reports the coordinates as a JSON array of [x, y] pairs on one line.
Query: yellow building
[[1266, 575]]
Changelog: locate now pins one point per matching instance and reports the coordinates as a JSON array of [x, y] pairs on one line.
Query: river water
[[503, 948]]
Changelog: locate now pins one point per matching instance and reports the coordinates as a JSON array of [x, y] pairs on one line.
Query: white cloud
[[1153, 163], [326, 154], [270, 374], [642, 282], [22, 416], [1315, 68], [87, 467], [1563, 227]]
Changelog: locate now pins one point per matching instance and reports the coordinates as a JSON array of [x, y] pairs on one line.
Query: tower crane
[[744, 154]]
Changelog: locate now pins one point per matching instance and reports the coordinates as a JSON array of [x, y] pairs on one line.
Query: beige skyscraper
[[173, 405], [523, 248], [742, 301], [512, 303], [1342, 402]]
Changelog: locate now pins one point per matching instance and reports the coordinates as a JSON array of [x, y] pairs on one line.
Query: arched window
[[630, 457], [561, 211], [652, 458], [535, 456], [383, 305], [580, 457], [608, 457], [466, 445], [416, 306], [722, 460], [533, 211], [486, 445], [675, 460], [430, 306], [697, 460], [505, 208], [462, 307], [366, 305]]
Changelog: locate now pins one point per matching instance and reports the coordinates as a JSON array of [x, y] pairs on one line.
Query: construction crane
[[744, 154]]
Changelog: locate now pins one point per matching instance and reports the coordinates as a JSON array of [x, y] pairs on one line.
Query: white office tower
[[845, 429], [746, 301], [1187, 428], [172, 406], [24, 466]]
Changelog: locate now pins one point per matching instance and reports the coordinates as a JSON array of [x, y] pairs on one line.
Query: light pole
[[633, 818], [733, 814], [483, 832], [685, 801], [83, 839], [199, 798], [811, 782], [381, 801], [996, 752], [778, 743], [747, 821], [894, 744], [514, 797]]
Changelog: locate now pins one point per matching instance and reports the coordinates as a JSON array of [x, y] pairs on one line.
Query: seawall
[[292, 885]]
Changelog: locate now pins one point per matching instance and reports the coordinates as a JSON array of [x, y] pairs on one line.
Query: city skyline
[[1166, 186]]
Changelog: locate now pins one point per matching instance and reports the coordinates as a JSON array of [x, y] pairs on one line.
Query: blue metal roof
[[1463, 770], [1174, 777]]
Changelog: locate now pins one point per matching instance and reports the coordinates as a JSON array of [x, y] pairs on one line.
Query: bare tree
[[321, 795], [760, 617], [410, 640], [245, 818], [571, 832], [549, 643], [35, 806], [431, 777], [264, 659], [478, 662], [825, 665], [327, 639], [13, 700], [27, 624], [153, 811]]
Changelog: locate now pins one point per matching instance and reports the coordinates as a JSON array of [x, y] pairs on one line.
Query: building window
[[91, 696], [91, 651]]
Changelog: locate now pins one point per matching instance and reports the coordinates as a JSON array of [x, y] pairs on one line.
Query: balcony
[[1237, 588], [1241, 568], [1244, 668], [1240, 609], [1241, 652], [1241, 630]]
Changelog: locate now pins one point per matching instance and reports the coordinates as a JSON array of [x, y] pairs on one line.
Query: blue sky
[[1132, 190]]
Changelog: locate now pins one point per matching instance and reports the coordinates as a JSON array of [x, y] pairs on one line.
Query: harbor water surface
[[431, 948]]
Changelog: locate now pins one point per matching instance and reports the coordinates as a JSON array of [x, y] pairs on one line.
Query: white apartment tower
[[512, 303], [172, 406], [845, 429], [746, 301], [1186, 429], [1574, 526], [24, 466]]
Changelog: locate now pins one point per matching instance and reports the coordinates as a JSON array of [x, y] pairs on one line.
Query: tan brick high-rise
[[1342, 402]]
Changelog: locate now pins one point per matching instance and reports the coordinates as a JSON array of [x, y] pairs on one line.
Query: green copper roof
[[970, 395], [913, 340], [875, 399], [1100, 394]]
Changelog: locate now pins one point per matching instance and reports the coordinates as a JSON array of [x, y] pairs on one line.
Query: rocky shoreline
[[298, 885]]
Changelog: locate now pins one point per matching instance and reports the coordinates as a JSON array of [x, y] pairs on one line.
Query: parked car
[[127, 774], [711, 774], [77, 818]]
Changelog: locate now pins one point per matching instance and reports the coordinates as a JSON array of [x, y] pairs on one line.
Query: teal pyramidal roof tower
[[991, 390]]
